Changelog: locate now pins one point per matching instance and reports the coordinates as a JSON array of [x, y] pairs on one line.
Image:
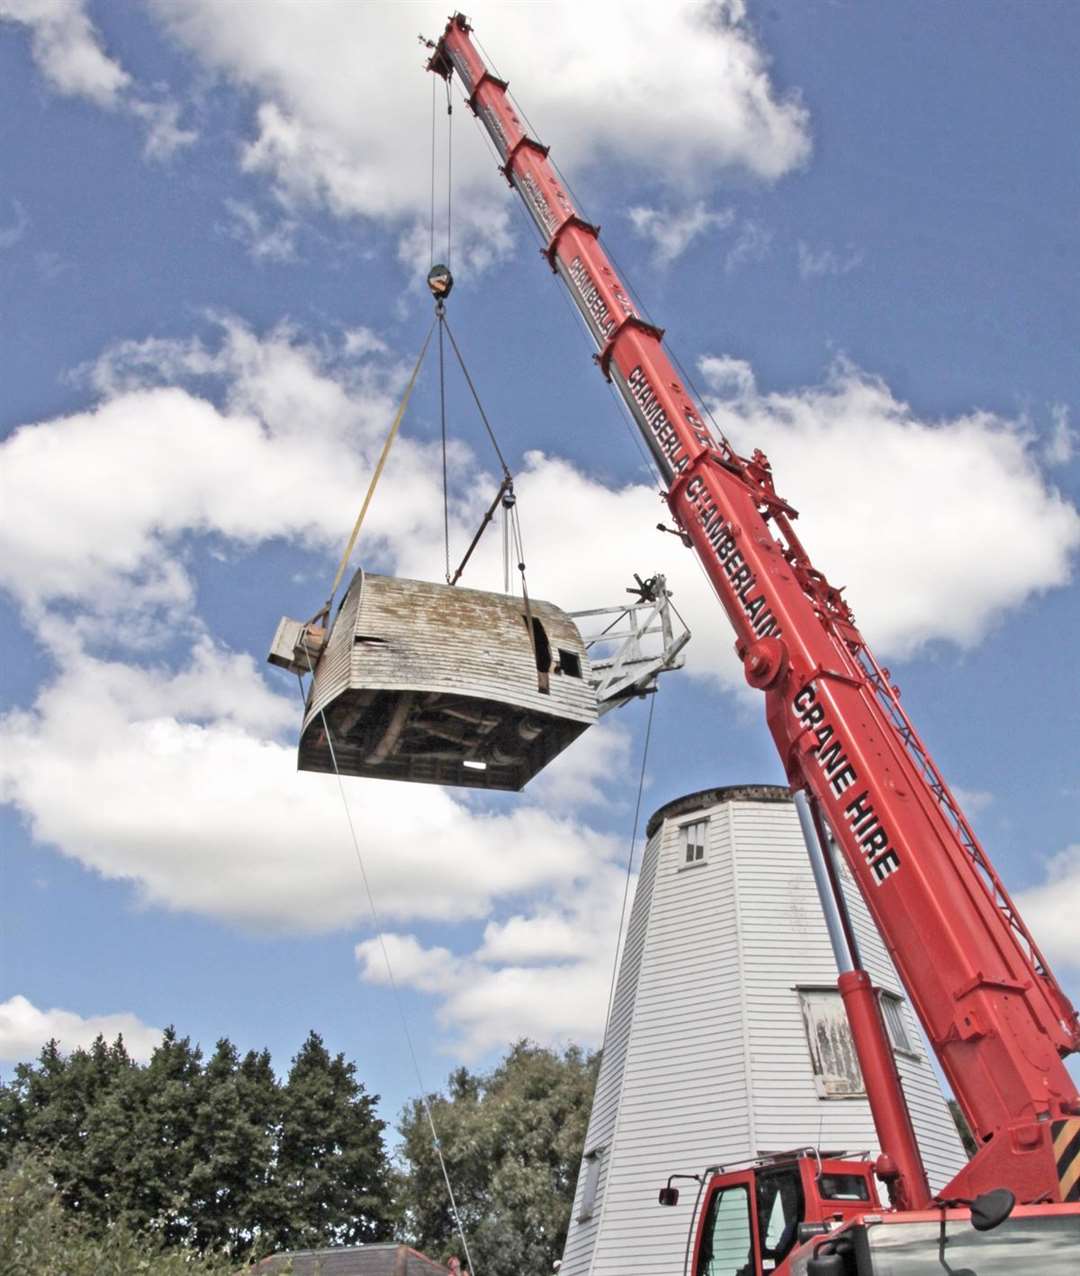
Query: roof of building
[[714, 797], [387, 1259]]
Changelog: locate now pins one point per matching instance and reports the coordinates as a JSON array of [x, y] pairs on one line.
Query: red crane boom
[[992, 1010]]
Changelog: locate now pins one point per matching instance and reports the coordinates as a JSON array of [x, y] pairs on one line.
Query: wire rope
[[476, 398], [629, 868], [431, 223], [449, 172], [506, 548], [377, 923], [442, 422]]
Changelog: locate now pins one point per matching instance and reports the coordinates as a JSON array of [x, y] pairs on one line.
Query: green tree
[[235, 1118], [333, 1176], [73, 1109], [512, 1141], [962, 1128], [213, 1155], [163, 1145], [40, 1237]]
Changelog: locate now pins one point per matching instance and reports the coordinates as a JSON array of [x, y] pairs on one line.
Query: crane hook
[[440, 281]]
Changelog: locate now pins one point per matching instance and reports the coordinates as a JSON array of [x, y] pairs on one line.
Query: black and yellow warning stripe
[[1066, 1136]]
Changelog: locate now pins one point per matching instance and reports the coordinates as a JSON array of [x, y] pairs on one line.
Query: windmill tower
[[727, 1039]]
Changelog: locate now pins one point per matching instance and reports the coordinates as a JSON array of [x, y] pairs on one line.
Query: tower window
[[892, 1011], [693, 840], [591, 1168]]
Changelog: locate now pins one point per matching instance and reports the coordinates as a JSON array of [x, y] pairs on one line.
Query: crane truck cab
[[752, 1217], [811, 1214]]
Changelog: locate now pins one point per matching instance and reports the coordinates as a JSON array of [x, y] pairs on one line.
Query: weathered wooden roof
[[704, 798], [421, 681], [357, 1260]]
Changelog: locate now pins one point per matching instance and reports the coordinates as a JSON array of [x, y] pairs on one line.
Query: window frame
[[591, 1162], [694, 853], [744, 1184], [907, 1047], [822, 1079]]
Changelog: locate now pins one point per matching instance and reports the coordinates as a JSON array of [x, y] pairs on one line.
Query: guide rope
[[380, 466], [377, 475], [377, 923]]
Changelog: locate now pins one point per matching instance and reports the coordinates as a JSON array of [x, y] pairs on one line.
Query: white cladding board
[[706, 1058]]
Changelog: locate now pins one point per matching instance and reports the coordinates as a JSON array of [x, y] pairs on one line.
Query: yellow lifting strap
[[378, 472]]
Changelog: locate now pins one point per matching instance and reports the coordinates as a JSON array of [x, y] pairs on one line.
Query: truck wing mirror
[[990, 1209], [669, 1196]]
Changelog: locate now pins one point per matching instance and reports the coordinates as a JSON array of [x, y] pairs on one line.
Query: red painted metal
[[992, 1010], [904, 1176]]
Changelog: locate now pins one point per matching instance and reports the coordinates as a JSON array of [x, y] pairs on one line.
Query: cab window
[[780, 1211], [727, 1247], [844, 1187]]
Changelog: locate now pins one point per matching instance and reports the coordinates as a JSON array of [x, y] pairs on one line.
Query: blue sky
[[858, 224]]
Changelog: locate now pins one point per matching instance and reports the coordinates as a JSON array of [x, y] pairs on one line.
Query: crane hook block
[[440, 281]]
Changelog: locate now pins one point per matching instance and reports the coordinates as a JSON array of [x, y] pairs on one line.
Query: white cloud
[[972, 801], [815, 262], [936, 527], [24, 1029], [1060, 447], [10, 235], [1052, 908], [577, 778], [67, 50], [308, 435], [543, 973], [753, 243], [672, 231], [362, 341], [291, 419], [343, 115], [106, 762], [164, 134], [265, 242], [176, 782], [727, 377], [482, 237]]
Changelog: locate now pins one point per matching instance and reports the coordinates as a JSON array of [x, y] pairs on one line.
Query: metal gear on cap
[[440, 281]]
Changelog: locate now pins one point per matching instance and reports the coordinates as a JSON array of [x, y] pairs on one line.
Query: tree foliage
[[38, 1237], [512, 1141], [111, 1164], [214, 1156], [962, 1128]]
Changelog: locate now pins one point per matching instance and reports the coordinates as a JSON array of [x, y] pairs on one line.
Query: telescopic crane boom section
[[993, 1011]]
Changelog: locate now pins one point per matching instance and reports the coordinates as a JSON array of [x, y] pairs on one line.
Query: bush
[[38, 1237]]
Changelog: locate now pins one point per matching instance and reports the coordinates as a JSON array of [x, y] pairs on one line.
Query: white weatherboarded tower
[[727, 1038]]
